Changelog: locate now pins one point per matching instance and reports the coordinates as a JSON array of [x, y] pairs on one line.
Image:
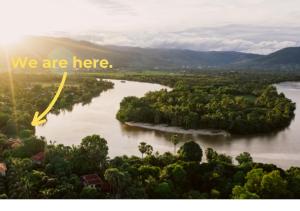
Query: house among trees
[[93, 180], [38, 158], [3, 169]]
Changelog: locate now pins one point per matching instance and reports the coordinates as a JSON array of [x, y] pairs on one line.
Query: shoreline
[[171, 129]]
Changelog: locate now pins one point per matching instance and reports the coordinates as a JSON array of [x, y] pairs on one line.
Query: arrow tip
[[36, 121]]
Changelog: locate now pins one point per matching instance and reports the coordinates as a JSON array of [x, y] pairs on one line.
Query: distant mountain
[[151, 58], [134, 58], [284, 59]]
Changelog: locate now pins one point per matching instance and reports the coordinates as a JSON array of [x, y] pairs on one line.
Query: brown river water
[[98, 117]]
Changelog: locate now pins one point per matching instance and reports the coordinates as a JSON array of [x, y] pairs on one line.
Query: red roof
[[94, 179], [39, 156]]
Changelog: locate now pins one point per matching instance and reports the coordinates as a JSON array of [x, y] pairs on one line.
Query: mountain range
[[135, 58]]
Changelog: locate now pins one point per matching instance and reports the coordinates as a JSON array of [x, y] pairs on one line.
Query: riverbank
[[99, 117], [169, 129]]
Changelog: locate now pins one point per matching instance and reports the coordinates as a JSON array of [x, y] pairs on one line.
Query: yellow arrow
[[39, 119]]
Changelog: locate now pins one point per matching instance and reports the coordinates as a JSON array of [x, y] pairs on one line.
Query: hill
[[135, 58], [284, 59], [132, 58]]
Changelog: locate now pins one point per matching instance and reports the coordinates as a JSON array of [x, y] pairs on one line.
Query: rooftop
[[92, 179]]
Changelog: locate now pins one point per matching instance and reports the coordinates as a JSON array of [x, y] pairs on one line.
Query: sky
[[255, 26]]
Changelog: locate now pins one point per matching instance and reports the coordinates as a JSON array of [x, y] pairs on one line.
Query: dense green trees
[[236, 106], [24, 94], [293, 179], [244, 158], [261, 184], [58, 176], [117, 179], [94, 150], [30, 146], [190, 151], [20, 97], [180, 175], [213, 156]]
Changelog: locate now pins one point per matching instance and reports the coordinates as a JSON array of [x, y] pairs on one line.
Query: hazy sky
[[258, 26]]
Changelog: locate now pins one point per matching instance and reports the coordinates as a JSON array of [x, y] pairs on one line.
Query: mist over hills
[[135, 58], [284, 59]]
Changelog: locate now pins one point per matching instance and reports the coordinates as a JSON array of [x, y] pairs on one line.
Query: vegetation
[[22, 94], [167, 175], [229, 101], [217, 102]]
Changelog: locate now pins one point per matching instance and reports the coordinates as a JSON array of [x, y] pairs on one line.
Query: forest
[[179, 175], [21, 95], [34, 168], [227, 103]]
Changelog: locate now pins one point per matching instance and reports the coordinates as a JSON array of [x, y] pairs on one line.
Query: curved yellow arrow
[[39, 119]]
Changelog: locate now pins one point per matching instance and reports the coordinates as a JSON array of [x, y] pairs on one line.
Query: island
[[221, 102]]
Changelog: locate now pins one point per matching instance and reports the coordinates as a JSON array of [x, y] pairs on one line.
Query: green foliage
[[117, 179], [254, 178], [156, 176], [30, 147], [190, 151], [239, 192], [293, 179], [89, 193], [273, 186], [232, 104], [26, 133], [31, 93], [214, 194], [90, 156], [264, 185], [213, 156], [163, 191], [244, 158], [96, 149], [176, 174], [145, 148], [149, 171], [3, 196]]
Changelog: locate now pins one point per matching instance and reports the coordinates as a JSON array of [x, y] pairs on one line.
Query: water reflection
[[98, 117]]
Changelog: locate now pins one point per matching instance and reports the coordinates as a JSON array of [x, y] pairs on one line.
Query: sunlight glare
[[9, 38]]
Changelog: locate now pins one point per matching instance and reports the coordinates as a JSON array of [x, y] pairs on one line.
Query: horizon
[[130, 99], [147, 47], [197, 25]]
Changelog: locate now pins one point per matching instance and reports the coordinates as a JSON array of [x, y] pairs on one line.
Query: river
[[98, 117]]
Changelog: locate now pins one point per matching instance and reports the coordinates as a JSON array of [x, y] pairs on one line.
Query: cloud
[[220, 44], [243, 38], [258, 26]]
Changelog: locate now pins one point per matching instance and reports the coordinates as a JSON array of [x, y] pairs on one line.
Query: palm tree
[[149, 149], [143, 148], [116, 179], [175, 141]]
